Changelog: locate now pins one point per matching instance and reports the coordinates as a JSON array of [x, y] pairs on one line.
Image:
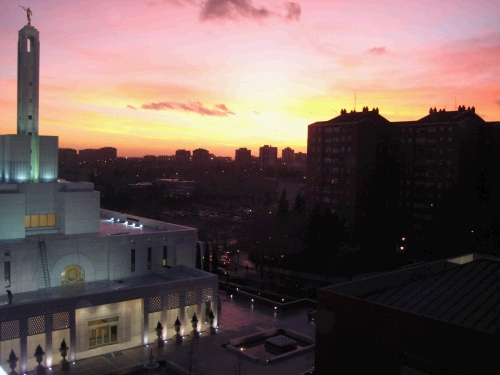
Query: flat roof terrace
[[130, 288], [114, 223]]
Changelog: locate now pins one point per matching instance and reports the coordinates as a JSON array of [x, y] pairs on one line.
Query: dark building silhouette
[[182, 156], [287, 155], [342, 162], [243, 156], [412, 178], [201, 156], [67, 158], [268, 156], [93, 155]]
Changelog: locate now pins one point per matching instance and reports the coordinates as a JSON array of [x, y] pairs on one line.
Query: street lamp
[[238, 255]]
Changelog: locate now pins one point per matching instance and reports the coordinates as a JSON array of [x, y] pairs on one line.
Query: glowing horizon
[[153, 77]]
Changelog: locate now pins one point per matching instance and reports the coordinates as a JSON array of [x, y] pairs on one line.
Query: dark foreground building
[[414, 180], [437, 318]]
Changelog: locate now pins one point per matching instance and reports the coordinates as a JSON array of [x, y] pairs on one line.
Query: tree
[[215, 259], [300, 204], [206, 258], [325, 233], [239, 367], [198, 256]]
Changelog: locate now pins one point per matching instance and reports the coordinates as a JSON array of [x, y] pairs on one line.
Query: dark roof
[[354, 117], [441, 115], [466, 294]]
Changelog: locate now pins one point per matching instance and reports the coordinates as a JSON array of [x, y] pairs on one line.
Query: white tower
[[28, 73]]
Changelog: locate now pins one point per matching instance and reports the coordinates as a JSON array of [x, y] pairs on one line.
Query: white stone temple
[[101, 280]]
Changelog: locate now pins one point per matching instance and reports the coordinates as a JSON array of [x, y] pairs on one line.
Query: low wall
[[231, 346]]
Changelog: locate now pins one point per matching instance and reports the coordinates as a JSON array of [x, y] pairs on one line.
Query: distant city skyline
[[154, 77]]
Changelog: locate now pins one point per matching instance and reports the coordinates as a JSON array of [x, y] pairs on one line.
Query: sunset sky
[[150, 77]]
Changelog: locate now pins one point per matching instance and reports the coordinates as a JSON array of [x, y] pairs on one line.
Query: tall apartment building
[[342, 162], [243, 156], [201, 156], [442, 163], [412, 175], [268, 156], [287, 155]]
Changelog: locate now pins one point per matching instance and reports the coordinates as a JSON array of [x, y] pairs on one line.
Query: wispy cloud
[[238, 9], [219, 110], [131, 107], [293, 11], [377, 50], [497, 102], [232, 9]]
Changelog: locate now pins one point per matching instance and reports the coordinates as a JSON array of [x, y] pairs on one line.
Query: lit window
[[34, 221], [164, 256], [51, 220], [42, 220]]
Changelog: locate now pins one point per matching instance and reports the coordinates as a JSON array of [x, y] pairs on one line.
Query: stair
[[43, 255]]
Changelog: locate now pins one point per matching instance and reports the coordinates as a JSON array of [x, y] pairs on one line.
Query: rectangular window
[[30, 117], [30, 83], [51, 220], [34, 221], [149, 258], [42, 220], [164, 256], [6, 272], [30, 100], [27, 221], [132, 260]]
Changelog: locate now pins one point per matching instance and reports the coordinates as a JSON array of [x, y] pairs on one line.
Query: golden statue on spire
[[28, 14]]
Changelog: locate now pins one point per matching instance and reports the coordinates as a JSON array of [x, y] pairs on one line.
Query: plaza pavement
[[237, 319]]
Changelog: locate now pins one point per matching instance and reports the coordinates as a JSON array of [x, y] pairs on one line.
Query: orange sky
[[150, 77]]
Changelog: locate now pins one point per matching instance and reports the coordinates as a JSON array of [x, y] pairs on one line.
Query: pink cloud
[[237, 9], [232, 9], [293, 11], [195, 107], [377, 50], [131, 107]]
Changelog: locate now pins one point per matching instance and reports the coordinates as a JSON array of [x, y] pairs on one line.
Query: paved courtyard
[[237, 319]]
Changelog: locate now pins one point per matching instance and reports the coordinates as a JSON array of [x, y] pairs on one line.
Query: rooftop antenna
[[354, 102]]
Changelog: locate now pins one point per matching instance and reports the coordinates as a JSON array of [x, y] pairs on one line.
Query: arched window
[[28, 44]]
